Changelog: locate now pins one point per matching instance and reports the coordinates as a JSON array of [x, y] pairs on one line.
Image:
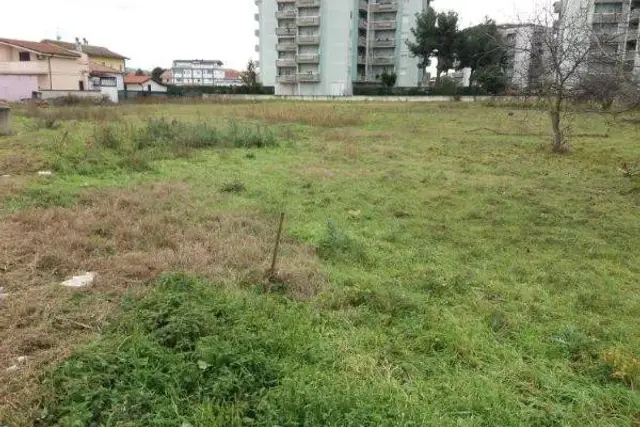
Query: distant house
[[27, 67], [166, 77], [107, 80], [144, 83], [97, 54], [231, 78]]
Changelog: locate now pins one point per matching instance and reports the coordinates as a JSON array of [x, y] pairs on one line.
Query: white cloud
[[155, 33]]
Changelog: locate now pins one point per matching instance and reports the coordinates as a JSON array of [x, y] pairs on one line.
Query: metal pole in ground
[[274, 261], [5, 120]]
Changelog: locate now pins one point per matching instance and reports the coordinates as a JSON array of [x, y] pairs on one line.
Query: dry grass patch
[[128, 237], [313, 114]]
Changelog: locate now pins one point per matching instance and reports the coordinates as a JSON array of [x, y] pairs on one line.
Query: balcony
[[286, 14], [383, 7], [382, 60], [384, 43], [362, 24], [286, 62], [308, 77], [634, 15], [307, 3], [286, 32], [308, 21], [364, 5], [362, 60], [308, 40], [607, 18], [286, 79], [362, 41], [286, 47], [308, 59], [285, 1], [32, 67], [384, 25]]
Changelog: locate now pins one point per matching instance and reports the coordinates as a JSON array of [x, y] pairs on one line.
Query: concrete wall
[[409, 75], [66, 74], [268, 41], [117, 64], [53, 94], [15, 88]]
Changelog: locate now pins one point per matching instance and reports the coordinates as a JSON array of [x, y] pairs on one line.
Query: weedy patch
[[129, 237]]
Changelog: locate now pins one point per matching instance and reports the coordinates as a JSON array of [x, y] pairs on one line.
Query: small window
[[81, 85], [24, 56], [149, 88]]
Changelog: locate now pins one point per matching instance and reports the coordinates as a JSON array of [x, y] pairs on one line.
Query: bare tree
[[569, 54]]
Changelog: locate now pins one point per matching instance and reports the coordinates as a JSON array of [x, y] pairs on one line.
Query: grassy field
[[439, 267]]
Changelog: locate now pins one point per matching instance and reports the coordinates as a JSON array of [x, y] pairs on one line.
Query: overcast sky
[[155, 33]]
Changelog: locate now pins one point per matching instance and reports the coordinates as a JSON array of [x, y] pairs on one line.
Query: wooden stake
[[274, 261]]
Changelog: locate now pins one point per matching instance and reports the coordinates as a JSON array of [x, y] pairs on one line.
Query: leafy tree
[[250, 75], [156, 74], [482, 49], [491, 78], [446, 42], [139, 72], [424, 33], [389, 79]]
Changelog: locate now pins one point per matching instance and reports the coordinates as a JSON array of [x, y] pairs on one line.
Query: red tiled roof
[[88, 49], [231, 74], [132, 79], [43, 48]]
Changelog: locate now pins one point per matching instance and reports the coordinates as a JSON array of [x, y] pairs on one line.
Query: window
[[148, 88], [108, 82], [24, 56], [81, 85]]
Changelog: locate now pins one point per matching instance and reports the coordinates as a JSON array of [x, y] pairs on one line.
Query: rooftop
[[43, 48], [88, 49]]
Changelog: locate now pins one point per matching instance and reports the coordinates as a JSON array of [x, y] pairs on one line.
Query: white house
[[144, 83], [107, 80]]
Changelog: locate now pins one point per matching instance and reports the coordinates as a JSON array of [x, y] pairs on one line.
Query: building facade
[[196, 72], [97, 54], [615, 23], [321, 47], [27, 67], [527, 52]]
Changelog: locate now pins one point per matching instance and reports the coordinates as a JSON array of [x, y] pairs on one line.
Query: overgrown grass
[[327, 115], [134, 146], [440, 267]]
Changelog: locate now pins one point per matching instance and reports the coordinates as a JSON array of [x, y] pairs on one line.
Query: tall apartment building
[[616, 22], [321, 47], [526, 52]]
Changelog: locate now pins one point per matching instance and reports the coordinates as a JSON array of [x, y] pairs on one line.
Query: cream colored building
[[27, 67]]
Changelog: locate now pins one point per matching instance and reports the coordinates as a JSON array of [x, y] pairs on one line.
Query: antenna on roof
[[85, 41], [58, 36]]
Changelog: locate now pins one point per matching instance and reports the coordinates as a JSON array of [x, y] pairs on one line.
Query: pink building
[[27, 67]]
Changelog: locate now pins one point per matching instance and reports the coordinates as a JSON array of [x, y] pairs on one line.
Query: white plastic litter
[[80, 281], [45, 173], [22, 359], [13, 368]]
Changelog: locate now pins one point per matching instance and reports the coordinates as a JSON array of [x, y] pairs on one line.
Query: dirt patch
[[128, 237]]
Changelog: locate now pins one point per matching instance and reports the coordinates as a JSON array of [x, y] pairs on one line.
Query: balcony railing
[[308, 21], [362, 41], [383, 7], [307, 3], [362, 24], [285, 1], [383, 43], [286, 47], [382, 60], [286, 32], [605, 18], [363, 5], [286, 62], [31, 67], [308, 77], [308, 59], [286, 14], [384, 25], [286, 78], [308, 40]]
